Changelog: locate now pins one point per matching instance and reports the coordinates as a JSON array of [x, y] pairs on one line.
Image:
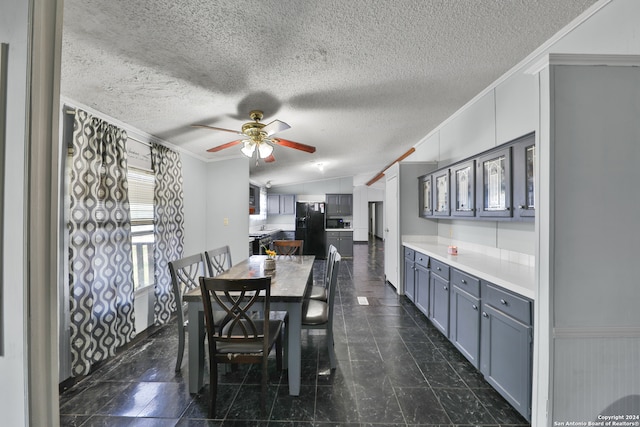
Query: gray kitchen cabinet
[[497, 184], [441, 193], [463, 189], [409, 274], [254, 199], [494, 183], [439, 296], [281, 204], [464, 316], [339, 204], [506, 345], [425, 196], [422, 283], [342, 240], [524, 167]]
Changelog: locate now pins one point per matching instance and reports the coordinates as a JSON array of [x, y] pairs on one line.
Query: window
[[141, 187]]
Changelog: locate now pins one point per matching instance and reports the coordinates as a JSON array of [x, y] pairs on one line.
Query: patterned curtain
[[169, 226], [100, 262]]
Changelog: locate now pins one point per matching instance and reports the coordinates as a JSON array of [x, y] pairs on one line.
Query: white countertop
[[515, 277], [338, 229]]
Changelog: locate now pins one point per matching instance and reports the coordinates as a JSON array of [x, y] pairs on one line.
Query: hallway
[[394, 369]]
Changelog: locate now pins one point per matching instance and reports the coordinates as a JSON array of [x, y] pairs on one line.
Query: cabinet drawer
[[515, 306], [409, 253], [422, 259], [440, 268], [465, 282]]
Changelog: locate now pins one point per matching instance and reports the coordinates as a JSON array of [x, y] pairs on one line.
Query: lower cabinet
[[422, 286], [409, 274], [439, 301], [491, 326], [464, 315], [464, 325], [506, 346], [342, 240]]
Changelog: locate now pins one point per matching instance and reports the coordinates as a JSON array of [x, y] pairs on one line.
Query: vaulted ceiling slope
[[361, 80]]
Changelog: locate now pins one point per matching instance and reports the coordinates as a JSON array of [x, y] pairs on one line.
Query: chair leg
[[181, 340], [213, 387], [331, 348]]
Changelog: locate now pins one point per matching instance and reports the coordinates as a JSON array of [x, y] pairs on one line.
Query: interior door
[[391, 237]]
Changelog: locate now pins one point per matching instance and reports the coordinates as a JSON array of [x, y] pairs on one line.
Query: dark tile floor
[[394, 369]]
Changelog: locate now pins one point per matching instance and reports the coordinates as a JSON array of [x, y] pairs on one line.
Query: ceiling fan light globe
[[248, 148], [265, 150]]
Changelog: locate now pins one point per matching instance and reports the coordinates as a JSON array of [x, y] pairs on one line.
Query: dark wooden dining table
[[290, 283]]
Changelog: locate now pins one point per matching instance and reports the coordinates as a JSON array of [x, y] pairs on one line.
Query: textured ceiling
[[361, 80]]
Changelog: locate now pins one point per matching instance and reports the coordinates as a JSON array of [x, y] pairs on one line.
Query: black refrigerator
[[310, 228]]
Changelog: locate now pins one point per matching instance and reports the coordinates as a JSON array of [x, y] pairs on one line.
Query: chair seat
[[245, 348], [318, 292], [316, 313]]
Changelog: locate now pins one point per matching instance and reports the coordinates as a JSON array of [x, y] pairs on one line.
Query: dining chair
[[288, 247], [241, 337], [319, 314], [319, 292], [184, 277], [218, 260]]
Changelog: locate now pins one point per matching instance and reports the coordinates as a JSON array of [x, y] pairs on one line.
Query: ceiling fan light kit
[[259, 136]]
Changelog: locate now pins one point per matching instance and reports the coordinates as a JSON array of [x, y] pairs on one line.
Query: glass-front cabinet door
[[524, 177], [463, 189], [426, 196], [494, 189], [441, 195]]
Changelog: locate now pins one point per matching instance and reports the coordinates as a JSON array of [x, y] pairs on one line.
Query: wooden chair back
[[218, 260], [288, 247]]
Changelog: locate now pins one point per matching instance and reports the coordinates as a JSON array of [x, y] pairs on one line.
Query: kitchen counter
[[263, 233], [339, 229], [516, 277]]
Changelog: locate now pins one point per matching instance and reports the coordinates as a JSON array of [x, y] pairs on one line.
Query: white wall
[[362, 195], [226, 192], [194, 175]]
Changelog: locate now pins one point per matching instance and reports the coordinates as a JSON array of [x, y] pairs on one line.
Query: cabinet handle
[[464, 282], [503, 302], [475, 307], [445, 288], [438, 268], [484, 314]]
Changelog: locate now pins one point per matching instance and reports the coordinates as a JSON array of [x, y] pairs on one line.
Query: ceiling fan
[[257, 138]]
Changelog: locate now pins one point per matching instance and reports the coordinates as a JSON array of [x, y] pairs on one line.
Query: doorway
[[376, 220]]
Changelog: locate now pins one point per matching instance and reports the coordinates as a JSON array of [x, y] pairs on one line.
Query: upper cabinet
[[425, 196], [494, 183], [254, 199], [441, 193], [498, 184], [339, 204], [281, 204], [463, 191], [524, 167]]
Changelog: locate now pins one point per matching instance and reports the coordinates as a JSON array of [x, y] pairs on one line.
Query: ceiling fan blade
[[215, 128], [295, 145], [223, 146], [270, 159], [275, 127]]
